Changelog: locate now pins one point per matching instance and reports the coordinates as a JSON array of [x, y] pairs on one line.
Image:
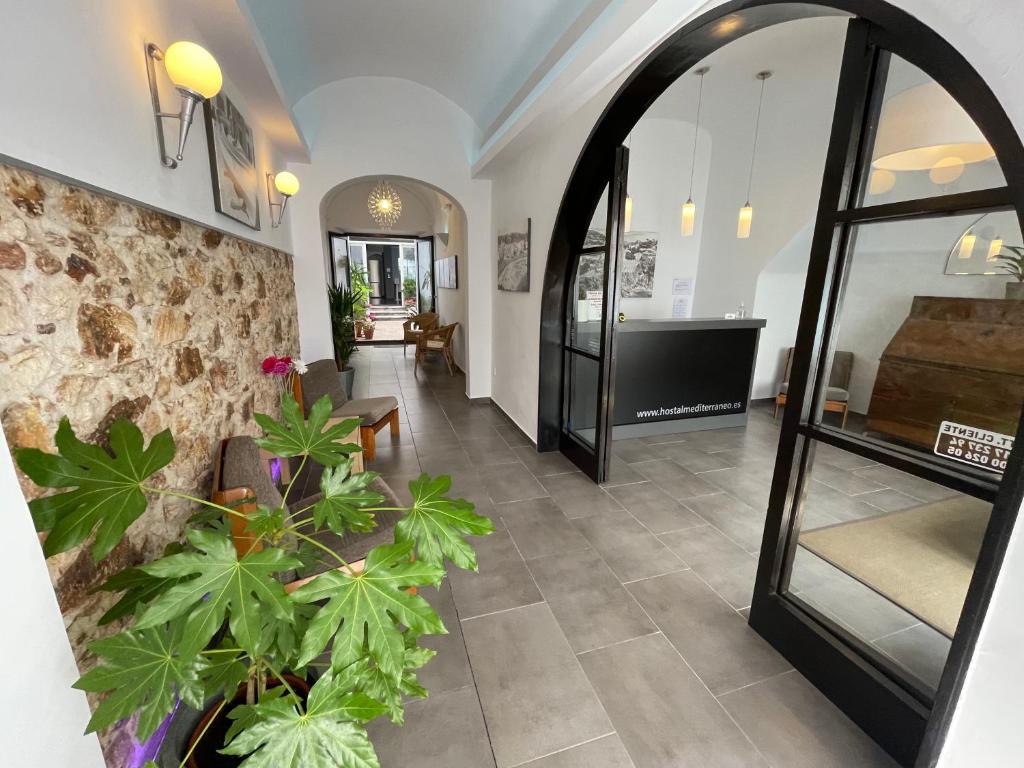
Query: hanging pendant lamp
[[384, 204], [746, 216], [689, 210]]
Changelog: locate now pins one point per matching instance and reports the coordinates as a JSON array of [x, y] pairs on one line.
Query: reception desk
[[676, 376]]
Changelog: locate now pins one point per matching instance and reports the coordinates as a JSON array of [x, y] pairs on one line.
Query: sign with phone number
[[971, 445]]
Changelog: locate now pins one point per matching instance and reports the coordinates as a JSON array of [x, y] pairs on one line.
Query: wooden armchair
[[437, 340], [415, 326], [837, 394]]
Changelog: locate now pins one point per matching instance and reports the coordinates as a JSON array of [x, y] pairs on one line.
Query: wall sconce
[[287, 185], [196, 75]]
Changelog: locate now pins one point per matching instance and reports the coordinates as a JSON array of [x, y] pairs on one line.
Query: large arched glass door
[[875, 527], [588, 352]]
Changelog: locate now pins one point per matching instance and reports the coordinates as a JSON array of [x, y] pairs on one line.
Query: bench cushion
[[835, 394], [369, 409]]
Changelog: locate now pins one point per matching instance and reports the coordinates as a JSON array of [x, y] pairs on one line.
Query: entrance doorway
[[928, 433]]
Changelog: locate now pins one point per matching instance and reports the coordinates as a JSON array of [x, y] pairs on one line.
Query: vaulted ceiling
[[477, 53]]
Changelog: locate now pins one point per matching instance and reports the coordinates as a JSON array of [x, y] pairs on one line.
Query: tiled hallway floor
[[606, 626]]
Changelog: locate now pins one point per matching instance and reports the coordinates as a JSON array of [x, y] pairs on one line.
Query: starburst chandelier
[[384, 204]]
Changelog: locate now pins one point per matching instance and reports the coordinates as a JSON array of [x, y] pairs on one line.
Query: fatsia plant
[[204, 622]]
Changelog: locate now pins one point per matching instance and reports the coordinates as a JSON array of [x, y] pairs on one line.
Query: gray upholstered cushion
[[369, 409], [322, 378], [243, 467], [835, 394]]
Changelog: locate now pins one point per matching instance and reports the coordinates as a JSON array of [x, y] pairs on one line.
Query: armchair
[[837, 394], [415, 326], [437, 340]]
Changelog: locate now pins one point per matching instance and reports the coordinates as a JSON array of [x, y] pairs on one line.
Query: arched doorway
[[910, 723]]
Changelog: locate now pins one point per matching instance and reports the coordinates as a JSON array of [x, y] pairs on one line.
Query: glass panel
[[584, 328], [407, 265], [581, 375], [339, 251], [598, 223], [925, 144], [888, 556], [426, 272], [926, 359]]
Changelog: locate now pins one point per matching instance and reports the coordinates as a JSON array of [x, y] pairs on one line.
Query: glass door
[[893, 462], [425, 273], [588, 354]]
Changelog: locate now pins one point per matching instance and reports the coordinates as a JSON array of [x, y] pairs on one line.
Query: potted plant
[[341, 304], [207, 621], [361, 298], [409, 291], [368, 325], [1013, 265]]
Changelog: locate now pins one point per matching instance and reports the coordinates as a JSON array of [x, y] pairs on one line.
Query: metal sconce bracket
[[189, 100], [275, 223]]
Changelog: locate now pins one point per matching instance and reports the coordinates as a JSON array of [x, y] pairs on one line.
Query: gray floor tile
[[535, 697], [824, 505], [843, 480], [539, 528], [606, 752], [921, 649], [445, 730], [738, 521], [795, 726], [677, 482], [632, 451], [394, 460], [442, 460], [904, 483], [591, 606], [654, 508], [690, 457], [577, 495], [514, 436], [630, 550], [621, 473], [715, 640], [503, 581], [449, 669], [544, 464], [725, 567], [889, 500], [751, 484], [862, 610], [662, 713], [488, 450], [511, 482]]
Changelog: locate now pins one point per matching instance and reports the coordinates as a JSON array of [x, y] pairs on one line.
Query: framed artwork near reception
[[448, 272], [232, 161], [514, 260]]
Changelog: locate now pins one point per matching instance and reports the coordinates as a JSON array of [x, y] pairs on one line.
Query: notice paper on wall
[[680, 307], [595, 300], [682, 286]]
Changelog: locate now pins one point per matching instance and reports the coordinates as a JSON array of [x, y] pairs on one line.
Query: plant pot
[[1015, 291], [367, 333], [205, 754], [348, 377], [359, 329]]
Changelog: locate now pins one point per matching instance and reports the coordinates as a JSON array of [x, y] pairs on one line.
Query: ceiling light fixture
[[196, 75], [689, 211], [287, 185], [747, 212], [384, 204]]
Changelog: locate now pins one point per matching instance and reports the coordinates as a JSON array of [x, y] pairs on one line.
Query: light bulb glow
[[881, 181], [286, 183], [993, 250], [743, 223], [688, 214], [946, 171], [629, 214], [967, 246], [192, 67]]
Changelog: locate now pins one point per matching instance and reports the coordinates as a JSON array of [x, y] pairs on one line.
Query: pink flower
[[268, 364], [277, 366]]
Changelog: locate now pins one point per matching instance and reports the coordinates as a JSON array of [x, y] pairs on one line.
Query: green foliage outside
[[203, 621]]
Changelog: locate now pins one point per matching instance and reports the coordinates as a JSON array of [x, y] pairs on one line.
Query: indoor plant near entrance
[[342, 305], [206, 620], [1013, 265]]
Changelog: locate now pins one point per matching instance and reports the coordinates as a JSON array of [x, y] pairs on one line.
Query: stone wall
[[109, 309]]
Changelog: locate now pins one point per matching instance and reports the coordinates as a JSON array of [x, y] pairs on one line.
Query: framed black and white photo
[[448, 272], [232, 162], [514, 260], [637, 279]]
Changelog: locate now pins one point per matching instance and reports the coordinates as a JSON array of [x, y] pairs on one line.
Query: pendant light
[[994, 249], [628, 222], [747, 212], [689, 210], [967, 245]]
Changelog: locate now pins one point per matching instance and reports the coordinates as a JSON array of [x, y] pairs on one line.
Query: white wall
[[452, 303], [371, 126], [76, 103], [41, 716]]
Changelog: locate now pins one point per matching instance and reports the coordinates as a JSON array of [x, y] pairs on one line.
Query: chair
[[374, 413], [837, 395], [437, 340], [416, 325]]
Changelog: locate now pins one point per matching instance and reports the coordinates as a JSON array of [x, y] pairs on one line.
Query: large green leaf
[[221, 584], [362, 610], [108, 487], [295, 436], [438, 525], [366, 677], [343, 499], [139, 589], [329, 734], [143, 670]]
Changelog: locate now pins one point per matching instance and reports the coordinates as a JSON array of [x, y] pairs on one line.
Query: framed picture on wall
[[514, 260], [232, 161], [448, 272]]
